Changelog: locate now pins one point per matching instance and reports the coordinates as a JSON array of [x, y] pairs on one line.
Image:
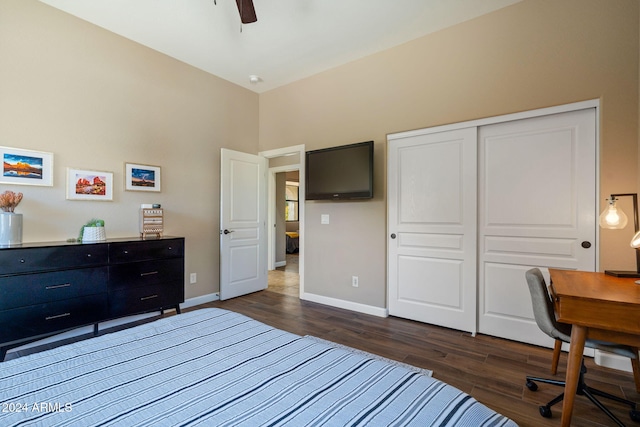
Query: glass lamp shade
[[635, 242], [612, 217]]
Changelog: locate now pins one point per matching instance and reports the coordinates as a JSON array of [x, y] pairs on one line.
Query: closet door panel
[[536, 207], [432, 228], [471, 209]]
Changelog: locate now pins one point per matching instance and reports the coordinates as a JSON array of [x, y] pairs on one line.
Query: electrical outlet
[[193, 278], [354, 281]]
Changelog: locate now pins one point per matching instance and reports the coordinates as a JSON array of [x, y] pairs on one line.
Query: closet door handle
[[393, 235]]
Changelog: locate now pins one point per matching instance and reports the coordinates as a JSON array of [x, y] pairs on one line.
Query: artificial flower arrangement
[[9, 200]]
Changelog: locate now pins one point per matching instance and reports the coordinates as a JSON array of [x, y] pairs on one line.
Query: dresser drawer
[[145, 298], [23, 290], [29, 260], [146, 250], [50, 317], [123, 276], [49, 287]]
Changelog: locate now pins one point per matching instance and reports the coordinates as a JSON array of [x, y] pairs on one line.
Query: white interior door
[[537, 195], [243, 241], [432, 228]]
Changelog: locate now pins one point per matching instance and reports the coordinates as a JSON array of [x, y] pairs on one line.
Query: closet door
[[432, 228], [537, 206]]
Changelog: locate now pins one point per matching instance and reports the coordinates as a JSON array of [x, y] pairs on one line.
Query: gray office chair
[[546, 319]]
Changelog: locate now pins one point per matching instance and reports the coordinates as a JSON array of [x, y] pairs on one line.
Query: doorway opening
[[286, 220]]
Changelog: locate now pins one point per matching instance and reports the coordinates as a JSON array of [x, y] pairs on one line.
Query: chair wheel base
[[532, 386], [635, 415], [545, 411]]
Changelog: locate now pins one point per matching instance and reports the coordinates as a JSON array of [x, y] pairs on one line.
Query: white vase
[[93, 234], [10, 228]]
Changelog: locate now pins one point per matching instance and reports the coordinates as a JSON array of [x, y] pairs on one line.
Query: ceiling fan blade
[[247, 12]]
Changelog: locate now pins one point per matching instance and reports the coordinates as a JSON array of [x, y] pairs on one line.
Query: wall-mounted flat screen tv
[[340, 173]]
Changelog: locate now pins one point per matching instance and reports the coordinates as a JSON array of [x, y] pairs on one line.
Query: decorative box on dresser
[[47, 288]]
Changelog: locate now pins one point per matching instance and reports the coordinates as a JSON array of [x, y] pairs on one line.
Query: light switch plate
[[324, 219]]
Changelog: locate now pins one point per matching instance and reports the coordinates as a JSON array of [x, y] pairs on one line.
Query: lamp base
[[622, 273]]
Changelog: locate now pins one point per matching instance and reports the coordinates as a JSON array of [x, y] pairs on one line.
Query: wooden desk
[[599, 307]]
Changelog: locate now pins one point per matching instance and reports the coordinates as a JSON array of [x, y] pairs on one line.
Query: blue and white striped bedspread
[[213, 367]]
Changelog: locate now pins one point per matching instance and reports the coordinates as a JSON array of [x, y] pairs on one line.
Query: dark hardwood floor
[[491, 369]]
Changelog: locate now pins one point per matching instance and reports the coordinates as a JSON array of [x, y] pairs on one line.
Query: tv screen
[[340, 173]]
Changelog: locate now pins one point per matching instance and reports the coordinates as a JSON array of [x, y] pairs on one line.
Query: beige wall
[[281, 225], [534, 54], [281, 178], [96, 100]]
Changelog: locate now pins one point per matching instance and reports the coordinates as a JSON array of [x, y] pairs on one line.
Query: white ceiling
[[292, 39]]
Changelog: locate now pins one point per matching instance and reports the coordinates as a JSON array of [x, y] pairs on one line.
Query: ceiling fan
[[247, 12], [246, 9]]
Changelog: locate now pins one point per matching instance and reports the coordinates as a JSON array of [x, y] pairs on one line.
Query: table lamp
[[615, 219]]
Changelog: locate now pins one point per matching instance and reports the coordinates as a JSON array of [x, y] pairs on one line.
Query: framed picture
[[26, 167], [141, 177], [89, 185]]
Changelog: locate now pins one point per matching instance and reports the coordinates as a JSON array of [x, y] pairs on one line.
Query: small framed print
[[89, 185], [26, 167], [141, 177]]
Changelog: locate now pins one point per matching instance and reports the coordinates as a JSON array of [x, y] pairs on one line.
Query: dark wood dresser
[[47, 288]]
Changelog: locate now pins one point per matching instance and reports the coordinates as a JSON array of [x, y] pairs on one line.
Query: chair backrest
[[543, 310]]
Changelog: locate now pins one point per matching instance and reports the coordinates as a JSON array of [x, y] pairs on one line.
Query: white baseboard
[[347, 305], [614, 361], [203, 299], [280, 264]]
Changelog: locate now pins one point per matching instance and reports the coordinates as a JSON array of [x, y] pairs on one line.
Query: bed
[[292, 242], [216, 367]]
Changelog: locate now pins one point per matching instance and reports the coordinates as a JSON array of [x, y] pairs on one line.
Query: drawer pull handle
[[88, 255], [149, 297], [150, 273], [57, 316], [66, 285], [22, 261]]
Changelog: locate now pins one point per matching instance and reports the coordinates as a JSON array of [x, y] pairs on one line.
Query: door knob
[[393, 235], [227, 231], [586, 244]]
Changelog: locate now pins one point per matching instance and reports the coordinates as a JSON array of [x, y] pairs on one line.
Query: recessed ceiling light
[[253, 79]]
